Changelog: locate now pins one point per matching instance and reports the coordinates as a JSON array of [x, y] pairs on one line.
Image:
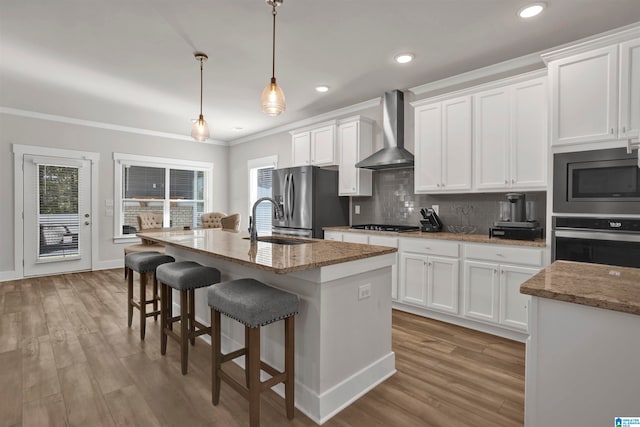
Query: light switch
[[108, 203], [356, 209]]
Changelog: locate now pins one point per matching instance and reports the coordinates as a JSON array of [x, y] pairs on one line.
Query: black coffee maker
[[515, 224]]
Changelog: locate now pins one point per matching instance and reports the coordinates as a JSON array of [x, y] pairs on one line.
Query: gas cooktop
[[384, 227]]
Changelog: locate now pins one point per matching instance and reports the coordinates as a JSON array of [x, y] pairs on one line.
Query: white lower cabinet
[[355, 238], [427, 280], [492, 284], [333, 235]]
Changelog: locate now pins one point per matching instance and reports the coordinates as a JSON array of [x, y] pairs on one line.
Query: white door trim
[[19, 151]]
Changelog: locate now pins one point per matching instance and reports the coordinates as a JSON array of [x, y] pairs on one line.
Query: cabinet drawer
[[430, 247], [504, 254], [355, 238]]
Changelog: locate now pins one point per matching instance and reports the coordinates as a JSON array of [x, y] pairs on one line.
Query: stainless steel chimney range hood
[[393, 155]]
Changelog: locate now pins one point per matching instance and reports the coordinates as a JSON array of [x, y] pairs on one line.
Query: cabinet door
[[301, 143], [428, 145], [392, 242], [629, 126], [355, 238], [492, 132], [323, 152], [456, 144], [442, 288], [481, 291], [333, 235], [584, 97], [529, 134], [413, 278], [348, 146], [513, 304]]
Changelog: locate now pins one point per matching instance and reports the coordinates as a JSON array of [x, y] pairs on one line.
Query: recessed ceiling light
[[531, 10], [237, 129], [322, 88], [403, 58]]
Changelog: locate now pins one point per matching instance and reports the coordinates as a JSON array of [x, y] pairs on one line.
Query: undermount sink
[[281, 240]]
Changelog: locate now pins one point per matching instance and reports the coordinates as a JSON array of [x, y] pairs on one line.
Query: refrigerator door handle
[[285, 198], [292, 197]]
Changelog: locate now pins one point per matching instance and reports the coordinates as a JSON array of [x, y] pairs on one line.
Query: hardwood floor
[[68, 358]]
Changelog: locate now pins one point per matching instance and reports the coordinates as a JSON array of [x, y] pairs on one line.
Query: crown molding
[[309, 121], [102, 125]]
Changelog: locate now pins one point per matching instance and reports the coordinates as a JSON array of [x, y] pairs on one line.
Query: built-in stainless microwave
[[596, 182]]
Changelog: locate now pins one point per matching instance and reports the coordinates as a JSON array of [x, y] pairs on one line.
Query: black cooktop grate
[[385, 227]]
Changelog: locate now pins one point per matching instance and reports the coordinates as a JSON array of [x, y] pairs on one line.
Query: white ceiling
[[130, 62]]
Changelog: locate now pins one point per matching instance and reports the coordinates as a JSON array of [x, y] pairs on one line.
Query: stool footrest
[[269, 369], [244, 391], [277, 379], [152, 313], [230, 356]]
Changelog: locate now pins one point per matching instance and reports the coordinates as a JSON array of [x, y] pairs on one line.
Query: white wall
[[278, 144], [30, 131]]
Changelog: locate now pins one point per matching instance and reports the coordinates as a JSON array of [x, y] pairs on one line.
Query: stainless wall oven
[[596, 182], [612, 241]]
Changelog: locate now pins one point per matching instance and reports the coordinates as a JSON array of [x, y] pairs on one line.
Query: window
[[177, 190], [260, 186]]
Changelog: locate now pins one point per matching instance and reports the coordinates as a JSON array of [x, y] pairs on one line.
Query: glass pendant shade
[[272, 99], [200, 130]]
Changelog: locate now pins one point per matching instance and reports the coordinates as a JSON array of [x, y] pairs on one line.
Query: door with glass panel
[[57, 215]]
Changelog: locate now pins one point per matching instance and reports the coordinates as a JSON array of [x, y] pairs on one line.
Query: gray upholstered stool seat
[[186, 277], [253, 304], [144, 263]]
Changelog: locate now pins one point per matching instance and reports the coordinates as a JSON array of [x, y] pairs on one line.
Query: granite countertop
[[604, 286], [280, 259], [445, 235]]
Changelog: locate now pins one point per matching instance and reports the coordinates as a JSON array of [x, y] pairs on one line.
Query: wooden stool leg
[[170, 306], [192, 316], [163, 317], [289, 364], [215, 356], [155, 296], [129, 296], [254, 377], [143, 305], [247, 367], [184, 331]]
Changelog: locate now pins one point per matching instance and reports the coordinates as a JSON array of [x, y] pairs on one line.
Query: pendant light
[[200, 129], [272, 99]]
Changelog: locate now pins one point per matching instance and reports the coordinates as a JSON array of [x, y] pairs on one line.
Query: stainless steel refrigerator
[[309, 199]]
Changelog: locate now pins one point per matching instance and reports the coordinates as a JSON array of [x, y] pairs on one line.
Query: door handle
[[86, 223], [86, 215], [285, 196], [292, 206]]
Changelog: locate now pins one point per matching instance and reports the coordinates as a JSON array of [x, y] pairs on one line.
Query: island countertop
[[604, 286], [276, 258]]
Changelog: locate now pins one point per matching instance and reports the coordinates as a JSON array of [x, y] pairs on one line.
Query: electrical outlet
[[364, 291], [436, 209], [356, 209], [108, 212]]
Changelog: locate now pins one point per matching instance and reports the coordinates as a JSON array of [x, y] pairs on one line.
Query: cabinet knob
[[624, 129], [611, 131], [513, 181], [353, 188], [495, 271], [438, 185], [429, 263], [506, 181]]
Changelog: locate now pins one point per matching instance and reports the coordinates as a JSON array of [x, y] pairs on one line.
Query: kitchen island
[[582, 363], [343, 329]]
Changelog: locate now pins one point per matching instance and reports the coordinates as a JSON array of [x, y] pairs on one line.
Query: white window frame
[[120, 160], [259, 163]]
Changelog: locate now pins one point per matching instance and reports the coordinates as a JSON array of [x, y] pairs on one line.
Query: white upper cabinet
[[315, 146], [595, 93], [355, 143], [629, 117], [584, 97], [510, 134], [443, 146]]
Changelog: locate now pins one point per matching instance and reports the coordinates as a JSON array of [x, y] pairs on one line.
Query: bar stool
[[144, 263], [253, 304], [184, 276]]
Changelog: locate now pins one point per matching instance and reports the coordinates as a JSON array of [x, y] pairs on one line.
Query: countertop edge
[[445, 235]]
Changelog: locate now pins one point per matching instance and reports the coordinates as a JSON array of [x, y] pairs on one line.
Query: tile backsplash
[[393, 202]]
